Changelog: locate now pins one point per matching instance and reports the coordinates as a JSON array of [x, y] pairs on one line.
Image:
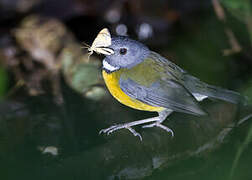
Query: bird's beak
[[105, 51]]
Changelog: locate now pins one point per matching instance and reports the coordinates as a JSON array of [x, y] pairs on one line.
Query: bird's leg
[[129, 126], [157, 122], [162, 116]]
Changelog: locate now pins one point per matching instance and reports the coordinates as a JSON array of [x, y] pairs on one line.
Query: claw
[[135, 133], [107, 131], [111, 129], [157, 124]]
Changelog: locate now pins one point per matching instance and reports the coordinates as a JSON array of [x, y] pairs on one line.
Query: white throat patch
[[109, 67]]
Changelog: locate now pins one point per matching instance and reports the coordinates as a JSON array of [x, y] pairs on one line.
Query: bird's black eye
[[123, 51]]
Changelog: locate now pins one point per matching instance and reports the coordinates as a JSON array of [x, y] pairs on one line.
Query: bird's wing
[[146, 83]]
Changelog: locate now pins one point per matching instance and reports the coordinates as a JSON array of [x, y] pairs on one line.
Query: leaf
[[241, 9], [3, 82]]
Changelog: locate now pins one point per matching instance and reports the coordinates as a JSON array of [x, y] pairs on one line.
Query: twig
[[235, 46]]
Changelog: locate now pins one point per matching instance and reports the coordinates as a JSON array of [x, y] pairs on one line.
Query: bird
[[144, 80]]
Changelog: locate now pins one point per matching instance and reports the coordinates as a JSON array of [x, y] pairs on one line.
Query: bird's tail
[[225, 95], [197, 86]]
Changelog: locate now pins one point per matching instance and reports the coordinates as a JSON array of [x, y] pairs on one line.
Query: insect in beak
[[101, 44]]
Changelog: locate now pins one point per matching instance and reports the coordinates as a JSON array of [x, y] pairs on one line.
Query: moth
[[100, 44]]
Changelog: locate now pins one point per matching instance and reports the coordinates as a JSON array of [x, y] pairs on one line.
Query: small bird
[[144, 80]]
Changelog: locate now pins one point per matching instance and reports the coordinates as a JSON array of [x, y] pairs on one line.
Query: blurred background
[[53, 100]]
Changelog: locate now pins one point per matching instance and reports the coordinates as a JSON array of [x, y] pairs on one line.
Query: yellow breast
[[112, 82]]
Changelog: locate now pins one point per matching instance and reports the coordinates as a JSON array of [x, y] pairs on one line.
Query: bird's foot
[[158, 124], [120, 126]]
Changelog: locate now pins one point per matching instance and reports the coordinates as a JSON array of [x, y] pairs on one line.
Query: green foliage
[[84, 76], [241, 9], [200, 52], [247, 91], [3, 82], [241, 149]]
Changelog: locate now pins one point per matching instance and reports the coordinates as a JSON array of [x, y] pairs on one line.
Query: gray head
[[127, 54]]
